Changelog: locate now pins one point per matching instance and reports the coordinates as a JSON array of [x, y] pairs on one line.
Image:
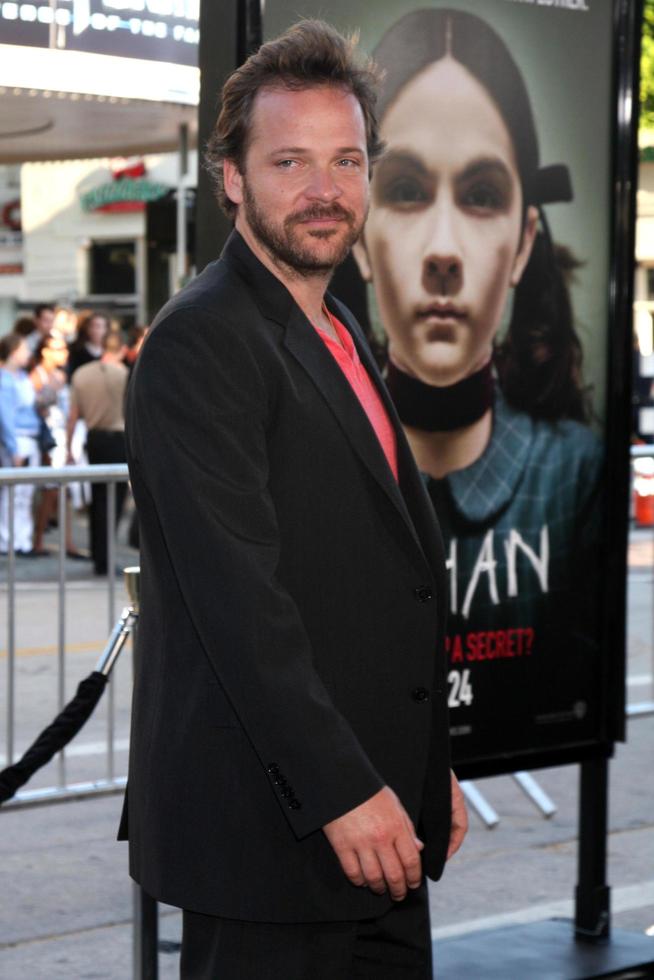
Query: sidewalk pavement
[[66, 901]]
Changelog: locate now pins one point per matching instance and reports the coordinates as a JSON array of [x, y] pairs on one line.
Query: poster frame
[[623, 160]]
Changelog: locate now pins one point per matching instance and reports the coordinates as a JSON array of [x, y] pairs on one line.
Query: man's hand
[[377, 846], [459, 819]]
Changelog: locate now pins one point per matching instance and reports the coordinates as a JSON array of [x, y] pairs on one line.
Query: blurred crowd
[[63, 378]]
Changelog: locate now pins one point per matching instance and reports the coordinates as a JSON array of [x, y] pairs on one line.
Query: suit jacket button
[[273, 768], [423, 593], [294, 804], [420, 694]]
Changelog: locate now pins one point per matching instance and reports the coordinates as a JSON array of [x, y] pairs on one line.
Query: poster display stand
[[512, 726]]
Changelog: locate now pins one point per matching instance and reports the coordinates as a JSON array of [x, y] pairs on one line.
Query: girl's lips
[[441, 312]]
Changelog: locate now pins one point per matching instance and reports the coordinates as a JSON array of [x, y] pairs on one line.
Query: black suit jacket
[[290, 644]]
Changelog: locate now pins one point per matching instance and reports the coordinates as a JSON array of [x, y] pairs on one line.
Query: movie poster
[[485, 259]]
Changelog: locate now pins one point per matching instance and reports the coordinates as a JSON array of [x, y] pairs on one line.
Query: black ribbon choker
[[434, 409]]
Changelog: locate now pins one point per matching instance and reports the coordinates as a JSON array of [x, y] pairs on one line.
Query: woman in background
[[48, 376], [498, 426], [87, 346], [20, 427]]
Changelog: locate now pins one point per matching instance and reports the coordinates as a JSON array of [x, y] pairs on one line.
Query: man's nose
[[323, 186]]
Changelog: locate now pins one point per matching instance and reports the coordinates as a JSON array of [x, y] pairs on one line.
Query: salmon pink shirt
[[346, 356]]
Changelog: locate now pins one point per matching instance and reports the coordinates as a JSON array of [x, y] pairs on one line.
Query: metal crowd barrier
[[110, 474], [109, 782]]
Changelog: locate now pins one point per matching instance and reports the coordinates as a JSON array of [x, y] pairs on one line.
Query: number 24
[[460, 688]]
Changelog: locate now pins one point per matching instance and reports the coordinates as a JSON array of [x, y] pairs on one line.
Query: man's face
[[44, 322], [303, 195]]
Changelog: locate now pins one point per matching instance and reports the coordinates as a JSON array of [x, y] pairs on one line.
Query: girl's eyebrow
[[485, 167], [403, 158]]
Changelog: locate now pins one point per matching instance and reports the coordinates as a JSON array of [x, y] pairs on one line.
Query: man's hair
[[113, 342], [41, 308], [308, 54], [24, 326], [8, 344]]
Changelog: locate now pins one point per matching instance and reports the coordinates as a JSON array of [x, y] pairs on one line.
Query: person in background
[[48, 377], [87, 346], [20, 426], [66, 321], [135, 337], [35, 328], [44, 318], [24, 327], [97, 395]]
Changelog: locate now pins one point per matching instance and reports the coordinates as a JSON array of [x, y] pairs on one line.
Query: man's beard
[[284, 246]]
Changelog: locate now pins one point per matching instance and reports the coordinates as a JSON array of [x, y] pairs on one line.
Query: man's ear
[[526, 244], [360, 253], [233, 181]]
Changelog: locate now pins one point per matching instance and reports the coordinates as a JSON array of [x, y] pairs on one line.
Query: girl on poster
[[498, 426]]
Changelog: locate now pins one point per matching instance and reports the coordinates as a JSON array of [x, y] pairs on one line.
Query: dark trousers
[[103, 446], [396, 946]]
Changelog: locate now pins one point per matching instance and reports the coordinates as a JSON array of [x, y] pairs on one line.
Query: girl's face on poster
[[444, 240]]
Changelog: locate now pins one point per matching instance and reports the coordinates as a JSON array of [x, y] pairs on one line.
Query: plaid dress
[[521, 528]]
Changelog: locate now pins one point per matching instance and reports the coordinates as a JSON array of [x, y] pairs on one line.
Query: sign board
[[152, 30], [492, 229]]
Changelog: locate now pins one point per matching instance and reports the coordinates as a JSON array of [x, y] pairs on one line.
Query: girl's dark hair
[[308, 54], [24, 326], [539, 360], [84, 325]]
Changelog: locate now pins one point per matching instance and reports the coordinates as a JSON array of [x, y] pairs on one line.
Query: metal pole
[[111, 582], [535, 792], [592, 894], [11, 627], [61, 639], [181, 265], [479, 804], [217, 56], [145, 939]]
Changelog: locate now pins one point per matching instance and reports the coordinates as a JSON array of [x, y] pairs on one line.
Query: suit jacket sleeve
[[197, 431]]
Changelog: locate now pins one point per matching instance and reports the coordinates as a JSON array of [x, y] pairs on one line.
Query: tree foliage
[[647, 68]]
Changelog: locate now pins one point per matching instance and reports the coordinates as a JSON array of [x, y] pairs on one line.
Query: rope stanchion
[[77, 712]]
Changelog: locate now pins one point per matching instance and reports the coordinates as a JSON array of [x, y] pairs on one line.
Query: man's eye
[[286, 164], [347, 163], [484, 197], [404, 191]]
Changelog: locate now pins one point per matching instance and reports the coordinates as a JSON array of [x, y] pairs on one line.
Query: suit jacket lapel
[[413, 492], [303, 342]]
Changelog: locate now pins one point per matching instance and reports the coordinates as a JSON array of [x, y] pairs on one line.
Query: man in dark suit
[[289, 783]]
